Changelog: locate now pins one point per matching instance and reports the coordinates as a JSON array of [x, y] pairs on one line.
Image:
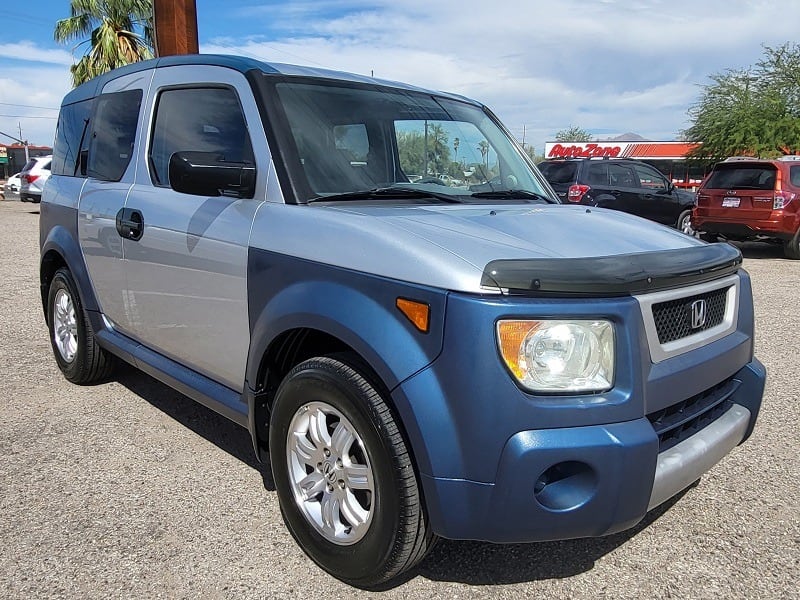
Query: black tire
[[88, 363], [397, 536], [708, 237], [680, 225], [791, 248]]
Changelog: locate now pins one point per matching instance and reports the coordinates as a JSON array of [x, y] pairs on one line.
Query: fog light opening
[[565, 486]]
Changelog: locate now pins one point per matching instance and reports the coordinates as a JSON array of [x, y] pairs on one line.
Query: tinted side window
[[650, 178], [621, 176], [113, 133], [597, 174], [71, 137], [563, 172], [794, 176], [198, 120]]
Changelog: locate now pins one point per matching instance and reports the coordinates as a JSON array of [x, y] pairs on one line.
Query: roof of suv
[[92, 88]]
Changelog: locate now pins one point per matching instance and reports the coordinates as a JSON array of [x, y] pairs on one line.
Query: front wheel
[[345, 481], [684, 223]]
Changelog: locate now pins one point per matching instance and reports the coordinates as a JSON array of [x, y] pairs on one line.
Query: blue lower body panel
[[554, 484]]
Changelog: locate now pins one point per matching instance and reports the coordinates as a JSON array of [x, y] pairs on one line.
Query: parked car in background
[[627, 185], [33, 177], [750, 199], [13, 183]]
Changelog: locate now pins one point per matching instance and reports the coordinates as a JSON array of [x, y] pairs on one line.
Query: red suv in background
[[752, 199]]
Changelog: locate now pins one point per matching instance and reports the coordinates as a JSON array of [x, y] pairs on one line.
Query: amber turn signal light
[[418, 313]]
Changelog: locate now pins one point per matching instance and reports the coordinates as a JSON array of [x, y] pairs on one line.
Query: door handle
[[130, 224]]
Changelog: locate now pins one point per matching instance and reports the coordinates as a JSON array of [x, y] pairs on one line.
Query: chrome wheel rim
[[330, 473], [65, 327], [686, 225]]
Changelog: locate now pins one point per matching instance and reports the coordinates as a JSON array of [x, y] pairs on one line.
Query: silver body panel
[[449, 246], [683, 464], [187, 275], [100, 201]]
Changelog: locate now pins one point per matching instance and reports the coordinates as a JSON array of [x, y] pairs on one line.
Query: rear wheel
[[791, 248], [343, 473], [77, 353]]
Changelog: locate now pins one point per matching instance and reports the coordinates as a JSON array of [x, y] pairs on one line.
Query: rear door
[[112, 142], [614, 185], [738, 191]]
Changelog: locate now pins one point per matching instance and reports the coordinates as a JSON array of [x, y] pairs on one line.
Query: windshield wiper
[[512, 195], [387, 193]]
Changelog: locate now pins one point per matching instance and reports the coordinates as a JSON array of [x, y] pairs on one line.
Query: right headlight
[[559, 356]]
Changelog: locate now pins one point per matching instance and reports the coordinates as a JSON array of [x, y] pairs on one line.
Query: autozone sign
[[585, 150]]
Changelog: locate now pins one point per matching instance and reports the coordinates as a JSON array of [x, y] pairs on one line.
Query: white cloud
[[30, 52], [620, 66]]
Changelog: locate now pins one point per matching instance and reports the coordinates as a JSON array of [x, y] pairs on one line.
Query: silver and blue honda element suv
[[376, 282]]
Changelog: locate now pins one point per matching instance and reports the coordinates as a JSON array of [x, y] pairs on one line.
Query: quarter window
[[72, 139], [113, 134], [198, 120]]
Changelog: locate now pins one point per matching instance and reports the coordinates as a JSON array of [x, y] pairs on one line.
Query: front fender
[[286, 293]]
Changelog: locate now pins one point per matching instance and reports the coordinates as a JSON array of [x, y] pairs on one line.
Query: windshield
[[338, 140]]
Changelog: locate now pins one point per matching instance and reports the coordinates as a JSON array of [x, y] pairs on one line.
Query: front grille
[[682, 420], [673, 318]]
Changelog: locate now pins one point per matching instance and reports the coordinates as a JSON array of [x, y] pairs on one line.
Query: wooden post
[[175, 23]]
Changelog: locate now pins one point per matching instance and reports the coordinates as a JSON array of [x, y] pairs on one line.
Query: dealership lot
[[128, 489]]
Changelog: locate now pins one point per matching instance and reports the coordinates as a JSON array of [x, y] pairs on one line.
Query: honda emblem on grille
[[698, 314]]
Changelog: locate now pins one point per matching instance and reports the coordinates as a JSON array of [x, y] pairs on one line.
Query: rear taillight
[[781, 199], [576, 192], [29, 178]]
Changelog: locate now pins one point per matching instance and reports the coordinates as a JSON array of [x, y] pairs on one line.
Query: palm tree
[[112, 27]]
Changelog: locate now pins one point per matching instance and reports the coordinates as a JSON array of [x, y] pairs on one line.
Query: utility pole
[[175, 24], [25, 143]]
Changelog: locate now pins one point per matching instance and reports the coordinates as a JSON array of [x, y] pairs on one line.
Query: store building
[[12, 157], [667, 157]]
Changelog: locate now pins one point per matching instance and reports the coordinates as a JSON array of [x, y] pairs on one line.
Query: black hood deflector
[[619, 275]]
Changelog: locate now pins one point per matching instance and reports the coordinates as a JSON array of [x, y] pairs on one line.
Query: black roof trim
[[624, 274]]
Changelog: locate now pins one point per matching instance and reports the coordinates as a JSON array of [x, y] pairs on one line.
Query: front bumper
[[587, 481]]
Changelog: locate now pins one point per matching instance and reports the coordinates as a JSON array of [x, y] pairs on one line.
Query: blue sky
[[609, 66]]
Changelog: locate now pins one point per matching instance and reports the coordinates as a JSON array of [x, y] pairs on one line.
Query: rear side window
[[72, 137], [622, 176], [794, 176], [198, 120], [555, 172], [742, 177], [113, 134], [29, 165]]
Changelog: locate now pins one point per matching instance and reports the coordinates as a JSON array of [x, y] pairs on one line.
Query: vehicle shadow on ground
[[760, 250], [482, 563], [473, 563], [223, 433]]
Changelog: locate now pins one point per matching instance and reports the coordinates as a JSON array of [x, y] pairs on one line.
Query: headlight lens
[[559, 356]]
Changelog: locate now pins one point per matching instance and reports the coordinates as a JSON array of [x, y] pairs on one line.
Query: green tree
[[411, 147], [119, 32], [573, 133], [750, 112]]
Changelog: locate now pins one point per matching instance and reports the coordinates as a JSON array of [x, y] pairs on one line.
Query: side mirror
[[207, 174]]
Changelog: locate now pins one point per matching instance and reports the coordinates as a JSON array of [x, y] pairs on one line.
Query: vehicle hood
[[450, 246]]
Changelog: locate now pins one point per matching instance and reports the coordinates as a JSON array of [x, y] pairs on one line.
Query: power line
[[28, 117], [28, 106]]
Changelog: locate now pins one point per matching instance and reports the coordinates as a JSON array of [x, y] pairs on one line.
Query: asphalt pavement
[[128, 489]]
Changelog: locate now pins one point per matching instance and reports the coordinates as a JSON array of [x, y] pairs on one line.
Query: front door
[[187, 273]]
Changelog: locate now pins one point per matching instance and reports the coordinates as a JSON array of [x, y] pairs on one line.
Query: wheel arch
[[60, 250]]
